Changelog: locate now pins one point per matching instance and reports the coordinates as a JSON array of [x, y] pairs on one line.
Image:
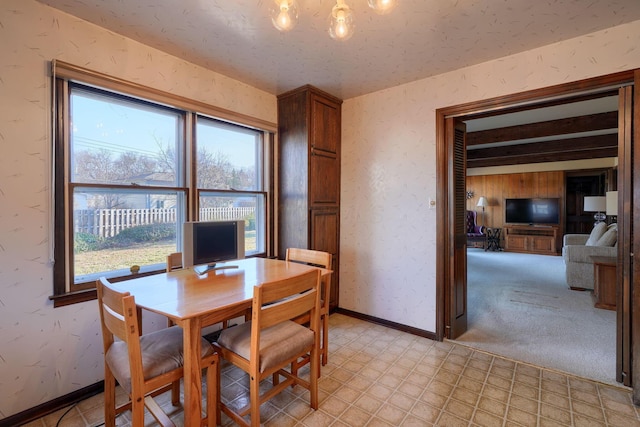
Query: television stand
[[533, 239]]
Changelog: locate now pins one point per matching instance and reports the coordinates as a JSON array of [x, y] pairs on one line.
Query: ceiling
[[418, 39]]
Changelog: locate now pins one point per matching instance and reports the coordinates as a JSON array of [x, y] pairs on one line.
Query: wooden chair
[[271, 341], [148, 365], [174, 261], [318, 259]]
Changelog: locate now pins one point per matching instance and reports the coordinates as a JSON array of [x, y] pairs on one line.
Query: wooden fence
[[109, 222]]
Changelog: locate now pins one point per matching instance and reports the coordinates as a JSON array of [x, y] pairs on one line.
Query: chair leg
[[254, 396], [314, 374], [137, 409], [175, 393], [325, 339], [294, 368], [109, 399]]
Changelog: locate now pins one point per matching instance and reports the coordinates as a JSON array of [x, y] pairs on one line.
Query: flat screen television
[[212, 241], [532, 211]]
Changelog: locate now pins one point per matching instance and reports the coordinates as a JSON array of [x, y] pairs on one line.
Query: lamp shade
[[612, 203], [595, 203], [482, 202]]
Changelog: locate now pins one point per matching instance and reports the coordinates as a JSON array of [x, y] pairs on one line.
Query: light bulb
[[285, 15], [382, 7], [341, 25]]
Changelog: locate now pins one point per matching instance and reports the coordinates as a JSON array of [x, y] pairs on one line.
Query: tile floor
[[378, 376]]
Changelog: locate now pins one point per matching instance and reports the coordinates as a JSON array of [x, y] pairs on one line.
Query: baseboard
[[388, 323], [52, 406]]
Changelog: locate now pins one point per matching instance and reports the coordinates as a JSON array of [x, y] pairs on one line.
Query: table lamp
[[596, 204], [612, 205], [482, 202]]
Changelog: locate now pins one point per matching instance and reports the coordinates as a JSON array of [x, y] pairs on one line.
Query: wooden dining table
[[194, 301]]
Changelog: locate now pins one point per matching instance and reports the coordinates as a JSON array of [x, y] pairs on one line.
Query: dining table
[[193, 299]]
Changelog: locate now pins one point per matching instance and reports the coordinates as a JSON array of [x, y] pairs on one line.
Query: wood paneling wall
[[496, 188]]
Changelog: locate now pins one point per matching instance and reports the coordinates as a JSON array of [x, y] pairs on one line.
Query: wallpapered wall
[[45, 352], [388, 243]]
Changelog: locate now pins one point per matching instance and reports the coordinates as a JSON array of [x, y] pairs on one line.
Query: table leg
[[192, 377]]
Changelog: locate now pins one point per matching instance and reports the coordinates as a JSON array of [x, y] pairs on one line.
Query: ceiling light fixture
[[341, 26]]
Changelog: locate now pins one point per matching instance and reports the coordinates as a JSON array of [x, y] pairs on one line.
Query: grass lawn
[[119, 258]]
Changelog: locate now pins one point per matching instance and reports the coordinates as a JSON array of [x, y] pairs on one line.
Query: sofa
[[577, 250]]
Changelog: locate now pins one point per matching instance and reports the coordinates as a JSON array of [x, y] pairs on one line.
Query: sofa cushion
[[609, 238], [597, 232]]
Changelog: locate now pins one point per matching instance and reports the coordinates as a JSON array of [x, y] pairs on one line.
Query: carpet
[[520, 307]]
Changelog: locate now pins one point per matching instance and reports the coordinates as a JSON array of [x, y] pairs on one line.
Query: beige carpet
[[520, 307]]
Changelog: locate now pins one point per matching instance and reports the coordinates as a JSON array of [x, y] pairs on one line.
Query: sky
[[121, 126]]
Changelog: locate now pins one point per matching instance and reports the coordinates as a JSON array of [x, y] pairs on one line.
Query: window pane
[[114, 230], [228, 157], [117, 141], [251, 208]]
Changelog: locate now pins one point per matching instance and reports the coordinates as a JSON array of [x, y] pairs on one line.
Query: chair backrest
[[174, 261], [471, 221], [318, 259], [309, 256], [119, 318], [280, 300]]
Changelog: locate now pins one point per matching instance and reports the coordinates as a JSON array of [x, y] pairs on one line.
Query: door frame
[[446, 273]]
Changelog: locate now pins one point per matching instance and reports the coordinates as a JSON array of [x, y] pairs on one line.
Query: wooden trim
[[59, 191], [52, 406], [271, 232], [444, 183], [84, 75], [387, 323], [442, 235], [311, 89], [546, 103], [631, 209], [537, 96]]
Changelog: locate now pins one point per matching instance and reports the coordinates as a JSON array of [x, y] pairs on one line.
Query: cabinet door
[[325, 237], [544, 244], [324, 180], [325, 124], [516, 243]]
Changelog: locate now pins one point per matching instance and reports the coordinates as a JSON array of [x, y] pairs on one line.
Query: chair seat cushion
[[278, 343], [161, 353]]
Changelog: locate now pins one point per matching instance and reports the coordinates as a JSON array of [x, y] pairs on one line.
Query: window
[[229, 176], [129, 171]]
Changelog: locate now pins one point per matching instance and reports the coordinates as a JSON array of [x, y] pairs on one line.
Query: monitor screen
[[213, 241]]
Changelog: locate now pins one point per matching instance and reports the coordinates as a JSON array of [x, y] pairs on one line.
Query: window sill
[[83, 295], [73, 297]]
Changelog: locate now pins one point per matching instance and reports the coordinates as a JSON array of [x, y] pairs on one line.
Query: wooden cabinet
[[309, 132], [531, 239], [604, 281]]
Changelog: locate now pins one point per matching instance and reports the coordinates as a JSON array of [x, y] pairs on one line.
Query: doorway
[[451, 266]]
